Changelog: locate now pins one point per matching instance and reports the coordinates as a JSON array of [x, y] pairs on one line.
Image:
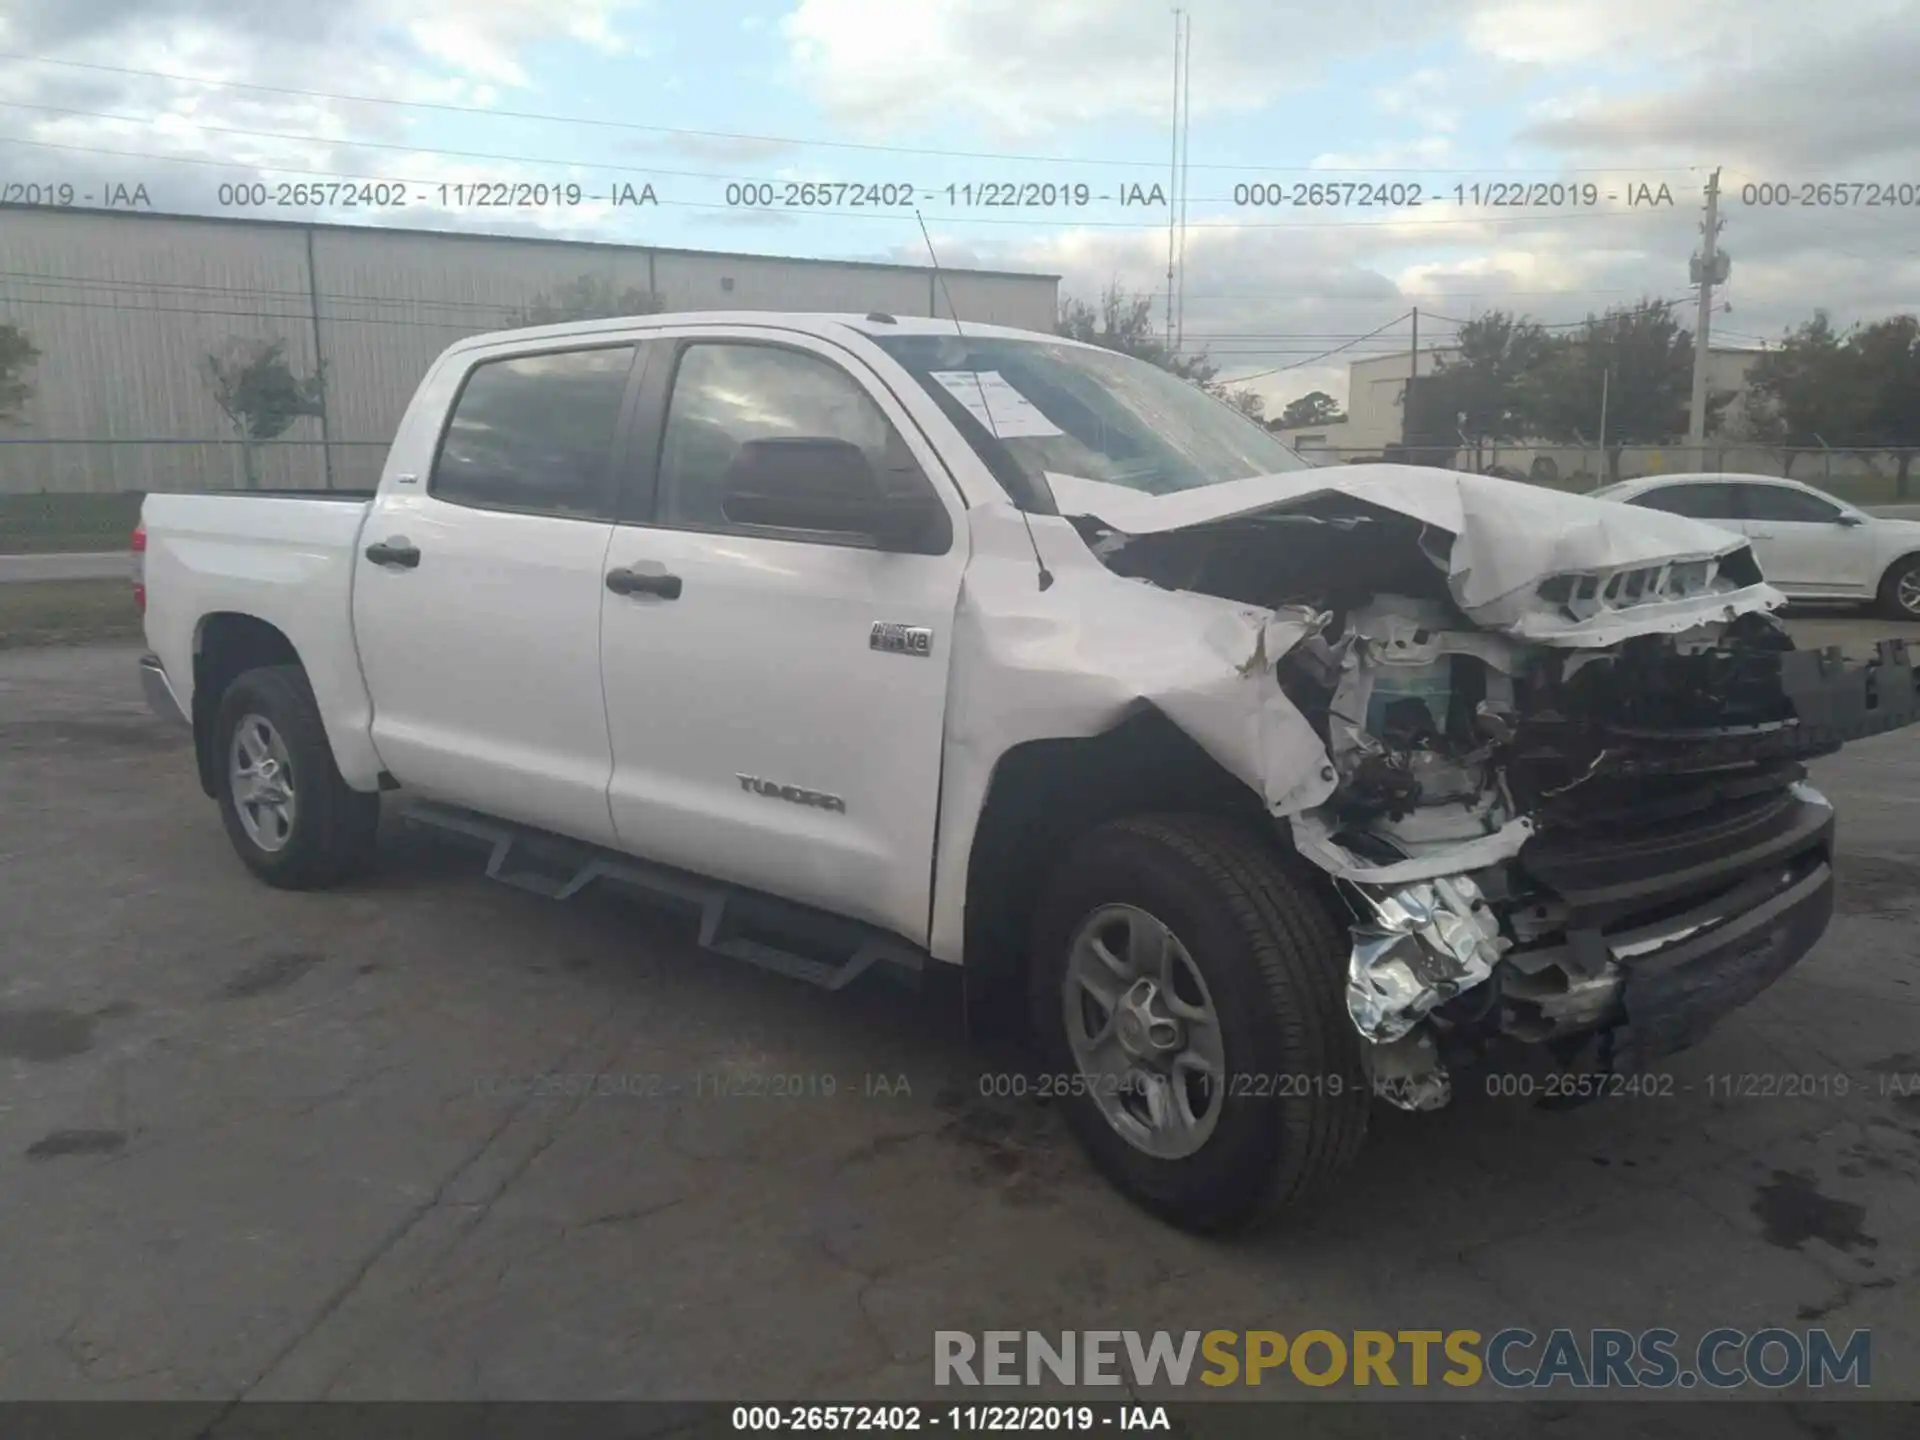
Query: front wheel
[[290, 816], [1187, 990], [1900, 590]]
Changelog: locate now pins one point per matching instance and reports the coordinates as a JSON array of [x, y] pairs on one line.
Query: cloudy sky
[[1440, 99]]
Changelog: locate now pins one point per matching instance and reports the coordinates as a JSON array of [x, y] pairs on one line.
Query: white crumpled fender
[[1080, 657]]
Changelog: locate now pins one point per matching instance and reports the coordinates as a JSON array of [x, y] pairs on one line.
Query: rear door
[[777, 699], [1806, 544], [477, 596]]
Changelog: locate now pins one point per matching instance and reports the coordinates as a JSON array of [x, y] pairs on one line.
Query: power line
[[1583, 324], [386, 145], [449, 107], [302, 316], [1252, 347], [1324, 354], [121, 284], [1069, 220], [441, 150]]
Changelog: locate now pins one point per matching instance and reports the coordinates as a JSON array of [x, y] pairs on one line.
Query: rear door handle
[[397, 551], [634, 582]]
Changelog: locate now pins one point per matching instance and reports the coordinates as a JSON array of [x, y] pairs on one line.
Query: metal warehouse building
[[124, 309]]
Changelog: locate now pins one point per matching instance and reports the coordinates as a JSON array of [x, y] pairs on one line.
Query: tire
[[1271, 958], [1902, 575], [330, 827]]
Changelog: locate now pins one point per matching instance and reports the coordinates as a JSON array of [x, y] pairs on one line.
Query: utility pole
[[1173, 177], [1413, 377], [1709, 267], [1186, 136], [1606, 381]]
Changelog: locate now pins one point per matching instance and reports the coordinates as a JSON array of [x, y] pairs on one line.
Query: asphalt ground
[[275, 1146]]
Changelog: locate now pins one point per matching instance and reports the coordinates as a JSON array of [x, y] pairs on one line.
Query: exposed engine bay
[[1553, 815]]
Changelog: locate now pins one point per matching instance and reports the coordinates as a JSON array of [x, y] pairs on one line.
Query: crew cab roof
[[825, 324]]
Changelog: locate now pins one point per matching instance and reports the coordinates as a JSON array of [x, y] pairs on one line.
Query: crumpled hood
[[1508, 536]]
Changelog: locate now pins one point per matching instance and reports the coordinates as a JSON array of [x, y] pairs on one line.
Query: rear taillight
[[140, 567]]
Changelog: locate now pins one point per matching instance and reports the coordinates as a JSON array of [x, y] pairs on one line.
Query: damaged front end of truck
[[1565, 798]]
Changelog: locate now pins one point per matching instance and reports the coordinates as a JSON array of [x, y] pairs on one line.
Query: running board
[[739, 924]]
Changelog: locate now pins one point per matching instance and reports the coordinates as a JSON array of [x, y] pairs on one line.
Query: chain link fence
[[119, 466]]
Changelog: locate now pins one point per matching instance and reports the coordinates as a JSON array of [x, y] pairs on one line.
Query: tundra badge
[[774, 790], [896, 639]]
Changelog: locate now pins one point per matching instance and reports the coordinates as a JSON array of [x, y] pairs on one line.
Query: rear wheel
[[290, 816], [1186, 991], [1900, 590]]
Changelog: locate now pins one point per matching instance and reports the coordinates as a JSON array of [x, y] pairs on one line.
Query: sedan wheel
[[1900, 591]]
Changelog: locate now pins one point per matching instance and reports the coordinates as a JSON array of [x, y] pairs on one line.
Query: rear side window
[[535, 433], [1782, 502], [1697, 502]]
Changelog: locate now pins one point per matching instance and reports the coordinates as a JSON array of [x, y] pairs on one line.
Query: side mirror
[[817, 483], [1849, 520]]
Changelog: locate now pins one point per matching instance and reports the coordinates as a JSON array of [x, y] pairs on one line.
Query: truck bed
[[285, 558]]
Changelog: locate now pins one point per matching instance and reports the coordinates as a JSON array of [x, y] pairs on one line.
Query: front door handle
[[397, 551], [634, 582]]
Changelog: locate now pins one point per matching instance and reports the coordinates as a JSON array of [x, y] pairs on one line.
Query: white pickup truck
[[1275, 789]]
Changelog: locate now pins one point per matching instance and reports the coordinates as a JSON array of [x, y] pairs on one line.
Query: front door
[[476, 606], [777, 699]]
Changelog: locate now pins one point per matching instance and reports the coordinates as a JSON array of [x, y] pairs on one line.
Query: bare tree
[[1248, 401], [258, 392]]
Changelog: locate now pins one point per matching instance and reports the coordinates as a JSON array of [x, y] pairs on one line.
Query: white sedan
[[1810, 546]]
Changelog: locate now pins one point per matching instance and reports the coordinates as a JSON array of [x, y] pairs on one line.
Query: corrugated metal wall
[[124, 310]]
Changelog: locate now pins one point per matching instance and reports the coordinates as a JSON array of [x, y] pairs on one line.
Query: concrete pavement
[[277, 1145], [79, 565]]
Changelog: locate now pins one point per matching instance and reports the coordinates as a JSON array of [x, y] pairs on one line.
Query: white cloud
[[1024, 68], [458, 51], [1430, 149]]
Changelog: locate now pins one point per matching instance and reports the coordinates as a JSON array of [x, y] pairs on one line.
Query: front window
[[1033, 406]]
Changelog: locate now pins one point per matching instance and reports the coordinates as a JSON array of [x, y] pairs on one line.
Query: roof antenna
[[1046, 575]]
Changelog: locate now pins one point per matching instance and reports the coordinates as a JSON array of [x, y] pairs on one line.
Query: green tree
[[1486, 381], [16, 358], [1314, 408], [1802, 394], [258, 392], [1123, 321], [1641, 358], [1886, 367], [589, 297]]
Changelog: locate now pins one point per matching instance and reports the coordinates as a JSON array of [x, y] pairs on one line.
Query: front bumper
[[159, 692], [1668, 936]]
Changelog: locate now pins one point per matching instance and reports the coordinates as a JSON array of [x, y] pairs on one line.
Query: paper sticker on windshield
[[995, 404]]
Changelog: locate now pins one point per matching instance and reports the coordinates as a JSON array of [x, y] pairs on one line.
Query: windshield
[[1095, 414]]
